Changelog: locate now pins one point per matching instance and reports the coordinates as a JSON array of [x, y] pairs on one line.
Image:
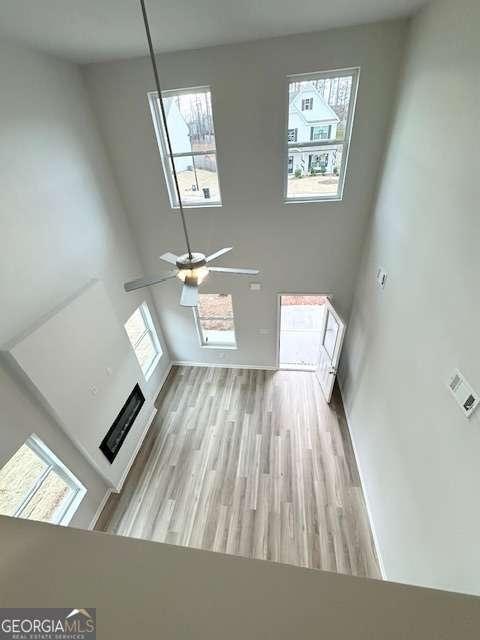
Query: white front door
[[331, 343]]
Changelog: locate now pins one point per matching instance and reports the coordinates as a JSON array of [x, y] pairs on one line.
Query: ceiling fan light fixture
[[198, 274]]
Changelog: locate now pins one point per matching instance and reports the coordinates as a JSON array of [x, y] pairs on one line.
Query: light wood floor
[[253, 463]]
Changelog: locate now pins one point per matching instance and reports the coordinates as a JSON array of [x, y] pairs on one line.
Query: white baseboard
[[100, 508], [362, 482], [223, 365]]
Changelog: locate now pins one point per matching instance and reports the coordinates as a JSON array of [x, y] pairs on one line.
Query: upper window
[[192, 136], [317, 156], [144, 340], [34, 484], [214, 316], [307, 104]]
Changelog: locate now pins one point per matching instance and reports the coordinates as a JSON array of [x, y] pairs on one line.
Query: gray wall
[[61, 224], [418, 454], [299, 248]]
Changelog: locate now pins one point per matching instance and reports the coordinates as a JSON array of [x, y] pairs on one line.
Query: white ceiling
[[94, 30]]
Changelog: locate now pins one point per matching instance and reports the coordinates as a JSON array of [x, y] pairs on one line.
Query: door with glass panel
[[333, 332]]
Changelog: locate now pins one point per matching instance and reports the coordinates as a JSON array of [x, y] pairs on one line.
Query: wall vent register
[[466, 397]]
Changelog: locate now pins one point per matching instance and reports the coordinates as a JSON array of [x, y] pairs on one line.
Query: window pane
[[135, 327], [18, 477], [48, 499], [146, 352], [190, 122], [198, 179], [215, 313], [215, 305], [314, 171], [322, 103]]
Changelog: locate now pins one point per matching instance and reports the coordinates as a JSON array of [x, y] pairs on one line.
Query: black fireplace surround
[[117, 433]]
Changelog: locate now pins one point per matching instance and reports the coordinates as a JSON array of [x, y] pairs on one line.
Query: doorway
[[300, 330]]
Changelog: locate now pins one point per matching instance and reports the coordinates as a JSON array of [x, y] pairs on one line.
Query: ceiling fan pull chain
[[164, 119]]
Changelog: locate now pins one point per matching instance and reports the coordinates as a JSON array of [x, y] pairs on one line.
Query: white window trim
[[301, 77], [208, 345], [64, 515], [149, 330], [164, 155]]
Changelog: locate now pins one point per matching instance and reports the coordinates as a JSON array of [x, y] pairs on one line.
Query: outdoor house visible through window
[[320, 112], [34, 484], [144, 340], [190, 126], [214, 316]]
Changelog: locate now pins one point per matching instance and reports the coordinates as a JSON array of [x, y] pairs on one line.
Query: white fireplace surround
[[79, 361]]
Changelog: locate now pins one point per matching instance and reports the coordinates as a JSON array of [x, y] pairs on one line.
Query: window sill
[[210, 205], [149, 372], [312, 200], [229, 347]]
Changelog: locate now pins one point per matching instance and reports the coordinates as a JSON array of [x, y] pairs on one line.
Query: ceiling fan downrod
[[164, 119]]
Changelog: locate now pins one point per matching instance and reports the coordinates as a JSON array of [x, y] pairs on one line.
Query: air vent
[[467, 399]]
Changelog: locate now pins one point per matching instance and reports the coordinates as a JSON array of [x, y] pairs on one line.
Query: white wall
[[418, 454], [61, 223], [303, 248]]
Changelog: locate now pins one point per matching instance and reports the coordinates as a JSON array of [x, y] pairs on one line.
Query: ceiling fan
[[191, 267]]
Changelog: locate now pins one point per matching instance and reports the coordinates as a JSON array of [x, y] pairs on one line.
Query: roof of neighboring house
[[321, 112]]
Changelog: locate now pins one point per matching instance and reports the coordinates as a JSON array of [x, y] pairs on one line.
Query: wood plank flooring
[[252, 463]]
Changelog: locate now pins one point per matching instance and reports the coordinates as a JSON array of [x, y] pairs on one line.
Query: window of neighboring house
[[292, 135], [34, 484], [215, 322], [320, 133], [321, 150], [144, 340], [307, 104], [290, 164], [190, 126]]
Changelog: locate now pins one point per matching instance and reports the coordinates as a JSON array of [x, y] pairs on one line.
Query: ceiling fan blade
[[218, 253], [189, 293], [146, 282], [242, 272], [169, 257]]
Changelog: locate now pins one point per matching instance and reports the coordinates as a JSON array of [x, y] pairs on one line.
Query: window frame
[[151, 331], [200, 331], [167, 161], [64, 515], [354, 72]]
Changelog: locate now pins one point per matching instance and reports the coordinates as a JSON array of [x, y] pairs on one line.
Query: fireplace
[[117, 433]]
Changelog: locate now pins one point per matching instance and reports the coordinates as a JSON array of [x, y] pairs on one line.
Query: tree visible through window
[[215, 321], [319, 150], [143, 338], [35, 485], [190, 126]]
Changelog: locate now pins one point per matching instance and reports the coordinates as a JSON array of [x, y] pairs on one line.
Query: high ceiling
[[93, 30]]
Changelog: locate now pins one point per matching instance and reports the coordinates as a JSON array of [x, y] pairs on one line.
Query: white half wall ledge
[[147, 589], [80, 361]]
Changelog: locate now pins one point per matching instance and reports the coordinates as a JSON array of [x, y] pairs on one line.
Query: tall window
[[190, 126], [34, 484], [215, 323], [324, 127], [144, 340]]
